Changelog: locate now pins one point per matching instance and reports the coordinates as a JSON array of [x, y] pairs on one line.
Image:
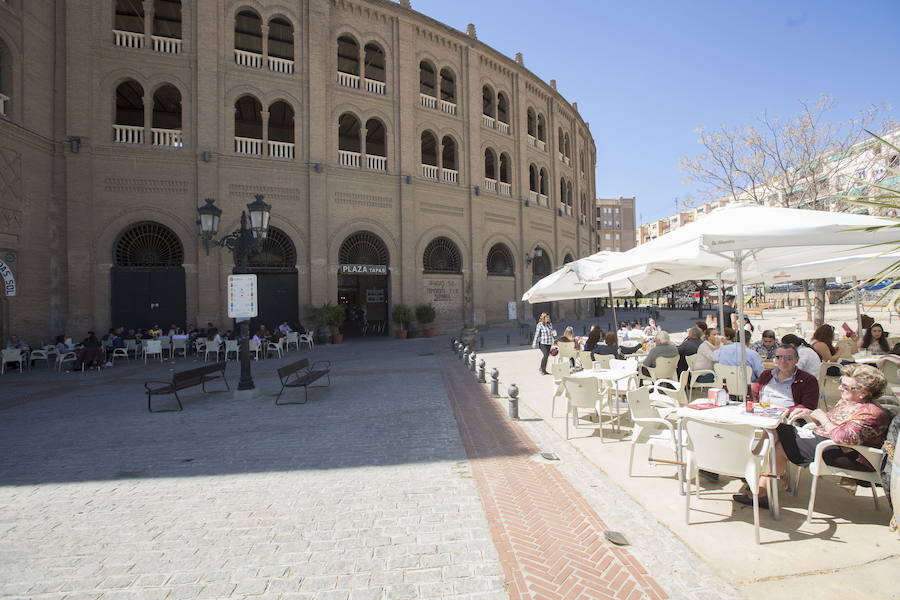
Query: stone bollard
[[472, 363], [584, 330], [495, 382], [482, 341], [453, 343], [507, 339], [465, 356], [513, 393], [481, 371]]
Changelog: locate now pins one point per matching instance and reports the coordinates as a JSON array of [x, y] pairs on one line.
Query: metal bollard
[[513, 393], [481, 371], [507, 339], [495, 382], [482, 341], [472, 363]]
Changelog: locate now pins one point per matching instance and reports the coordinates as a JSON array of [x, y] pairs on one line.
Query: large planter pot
[[337, 338], [401, 334], [430, 332], [323, 334]]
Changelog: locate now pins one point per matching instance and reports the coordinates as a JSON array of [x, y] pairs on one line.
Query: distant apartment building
[[615, 224]]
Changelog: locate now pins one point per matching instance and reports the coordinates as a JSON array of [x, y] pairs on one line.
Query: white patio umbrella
[[732, 240]]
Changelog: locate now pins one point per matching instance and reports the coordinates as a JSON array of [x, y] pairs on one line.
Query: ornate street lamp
[[241, 243]]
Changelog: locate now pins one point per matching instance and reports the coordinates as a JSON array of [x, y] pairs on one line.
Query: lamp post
[[241, 243]]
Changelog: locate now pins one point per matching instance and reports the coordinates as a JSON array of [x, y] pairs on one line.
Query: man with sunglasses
[[786, 386]]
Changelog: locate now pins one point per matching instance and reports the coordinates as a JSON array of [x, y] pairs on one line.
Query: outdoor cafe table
[[734, 414], [867, 358]]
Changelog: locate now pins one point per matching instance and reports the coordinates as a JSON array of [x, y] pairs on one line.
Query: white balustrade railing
[[348, 80], [565, 208], [167, 137], [487, 121], [532, 141], [376, 87], [505, 188], [429, 171], [565, 159], [376, 163], [448, 107], [543, 200], [532, 195], [281, 65], [3, 100], [166, 45], [450, 176], [490, 185], [283, 150], [250, 146], [540, 144], [128, 134], [349, 159], [248, 59], [428, 101], [128, 39], [503, 127]]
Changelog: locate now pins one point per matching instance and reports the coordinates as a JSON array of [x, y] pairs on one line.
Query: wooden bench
[[183, 380], [300, 374]]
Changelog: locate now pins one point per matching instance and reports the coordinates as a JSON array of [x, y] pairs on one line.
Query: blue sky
[[647, 74]]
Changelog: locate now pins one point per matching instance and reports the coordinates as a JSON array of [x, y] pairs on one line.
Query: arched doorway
[[147, 278], [540, 268], [363, 284], [275, 267]]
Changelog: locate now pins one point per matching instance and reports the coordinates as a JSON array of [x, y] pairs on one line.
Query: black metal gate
[[142, 298], [278, 300]]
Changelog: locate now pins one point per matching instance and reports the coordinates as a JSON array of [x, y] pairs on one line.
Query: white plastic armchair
[[116, 353], [275, 348], [729, 374], [39, 355], [583, 394], [726, 449], [292, 339], [559, 371], [153, 348], [211, 348], [566, 350], [255, 348], [670, 395], [71, 357], [12, 356], [829, 390], [665, 368], [650, 428], [305, 338], [695, 373], [231, 347]]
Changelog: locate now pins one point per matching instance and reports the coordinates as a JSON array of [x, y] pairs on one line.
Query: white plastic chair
[[726, 374], [10, 356], [559, 371], [39, 355], [211, 348], [583, 359], [726, 449], [829, 385], [254, 348], [695, 373], [132, 346], [665, 368], [649, 426], [670, 394], [583, 393], [166, 345], [566, 350], [70, 357], [275, 347], [179, 344], [603, 359], [292, 339], [305, 338], [153, 348], [231, 347]]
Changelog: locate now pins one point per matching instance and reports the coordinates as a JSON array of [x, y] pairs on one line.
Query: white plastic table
[[611, 377], [734, 414]]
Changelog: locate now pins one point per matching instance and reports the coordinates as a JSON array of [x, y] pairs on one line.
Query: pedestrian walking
[[544, 334]]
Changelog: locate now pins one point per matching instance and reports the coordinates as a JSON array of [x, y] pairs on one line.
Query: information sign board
[[242, 296]]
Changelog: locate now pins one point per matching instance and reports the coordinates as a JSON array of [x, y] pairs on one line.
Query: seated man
[[16, 344], [729, 354], [766, 346], [689, 347], [786, 386]]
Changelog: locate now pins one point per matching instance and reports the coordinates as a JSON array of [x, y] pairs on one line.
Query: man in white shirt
[[730, 353], [809, 358]]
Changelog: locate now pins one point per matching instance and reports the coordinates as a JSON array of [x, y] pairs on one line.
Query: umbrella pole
[[742, 385], [613, 307], [857, 296], [722, 323]]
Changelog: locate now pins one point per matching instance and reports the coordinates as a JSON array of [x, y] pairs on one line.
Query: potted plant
[[425, 315], [317, 317], [401, 315], [335, 315]]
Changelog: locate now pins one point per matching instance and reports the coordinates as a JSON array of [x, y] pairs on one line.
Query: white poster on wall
[[512, 311], [242, 297]]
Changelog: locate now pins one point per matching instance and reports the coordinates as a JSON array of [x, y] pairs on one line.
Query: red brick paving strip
[[549, 540]]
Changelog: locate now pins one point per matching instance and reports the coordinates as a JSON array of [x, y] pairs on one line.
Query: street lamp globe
[[209, 218], [259, 217]]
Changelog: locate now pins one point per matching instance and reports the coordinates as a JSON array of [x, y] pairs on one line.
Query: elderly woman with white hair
[[664, 348]]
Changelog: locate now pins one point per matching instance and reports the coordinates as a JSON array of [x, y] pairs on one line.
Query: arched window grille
[[568, 258], [441, 256], [500, 261], [276, 252], [148, 245], [363, 248]]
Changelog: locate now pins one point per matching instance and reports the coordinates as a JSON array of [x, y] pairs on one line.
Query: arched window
[[562, 191], [568, 258], [488, 102], [375, 64], [570, 201], [349, 144], [129, 125], [448, 85], [5, 79], [541, 128], [429, 149], [275, 253], [167, 117], [167, 18], [281, 39], [448, 153], [248, 118], [281, 130], [532, 122], [545, 189], [502, 108], [505, 172], [363, 248], [490, 164], [441, 256], [348, 55], [248, 33], [561, 141], [568, 148], [584, 204], [427, 79], [500, 261], [533, 178], [581, 161], [129, 16], [376, 145], [148, 245]]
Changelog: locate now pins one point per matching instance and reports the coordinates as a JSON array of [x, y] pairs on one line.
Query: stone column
[[148, 117], [148, 23], [265, 47], [264, 113], [362, 147]]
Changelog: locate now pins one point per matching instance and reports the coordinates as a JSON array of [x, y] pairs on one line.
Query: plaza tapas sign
[[363, 270], [9, 280], [242, 297]]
